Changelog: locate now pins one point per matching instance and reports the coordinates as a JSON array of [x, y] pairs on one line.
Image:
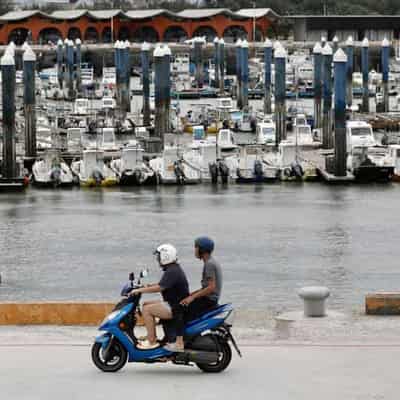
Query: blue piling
[[385, 54], [364, 71], [29, 61], [327, 138], [245, 73], [118, 71], [145, 60], [216, 63], [60, 56], [267, 76], [198, 56], [158, 56], [167, 87], [340, 61], [9, 167], [280, 94], [126, 68], [222, 65], [335, 44], [70, 69], [78, 47], [349, 70], [239, 74], [317, 51]]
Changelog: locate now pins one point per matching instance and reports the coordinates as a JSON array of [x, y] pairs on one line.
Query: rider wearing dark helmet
[[207, 297]]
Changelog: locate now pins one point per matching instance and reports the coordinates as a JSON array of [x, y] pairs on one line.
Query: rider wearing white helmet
[[173, 287]]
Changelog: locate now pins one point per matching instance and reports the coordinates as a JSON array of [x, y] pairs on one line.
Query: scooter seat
[[218, 309]]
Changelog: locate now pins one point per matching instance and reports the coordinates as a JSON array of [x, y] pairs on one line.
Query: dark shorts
[[198, 307]]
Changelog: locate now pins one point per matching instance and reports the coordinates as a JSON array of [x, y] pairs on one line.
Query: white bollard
[[314, 300]]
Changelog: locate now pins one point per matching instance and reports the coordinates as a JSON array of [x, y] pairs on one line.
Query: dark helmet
[[205, 244]]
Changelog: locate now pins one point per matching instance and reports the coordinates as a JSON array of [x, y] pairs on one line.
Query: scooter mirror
[[131, 276], [144, 273]]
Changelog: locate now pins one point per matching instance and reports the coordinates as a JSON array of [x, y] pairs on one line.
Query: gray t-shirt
[[212, 271]]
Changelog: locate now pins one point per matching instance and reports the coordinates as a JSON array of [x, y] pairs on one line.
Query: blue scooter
[[206, 338]]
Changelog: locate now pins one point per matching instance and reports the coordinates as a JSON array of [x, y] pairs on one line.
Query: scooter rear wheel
[[118, 357], [224, 359]]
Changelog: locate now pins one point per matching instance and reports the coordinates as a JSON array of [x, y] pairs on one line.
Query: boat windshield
[[268, 131], [361, 131], [304, 130]]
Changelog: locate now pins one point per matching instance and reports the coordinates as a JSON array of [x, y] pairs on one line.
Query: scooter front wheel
[[116, 358]]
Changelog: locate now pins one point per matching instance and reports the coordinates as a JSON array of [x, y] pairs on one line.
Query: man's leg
[[150, 312]]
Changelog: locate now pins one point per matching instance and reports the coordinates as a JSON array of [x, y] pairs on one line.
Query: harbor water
[[271, 240]]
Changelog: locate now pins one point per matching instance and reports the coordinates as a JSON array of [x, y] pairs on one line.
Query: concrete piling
[[158, 56], [245, 73], [216, 63], [198, 56], [385, 53], [167, 87], [327, 138], [145, 60], [267, 76], [70, 69], [349, 70], [340, 64], [317, 51], [78, 47], [60, 56], [29, 61], [239, 73], [364, 71], [280, 94], [9, 167], [222, 65]]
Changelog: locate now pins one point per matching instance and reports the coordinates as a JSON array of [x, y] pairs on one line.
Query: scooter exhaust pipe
[[201, 357]]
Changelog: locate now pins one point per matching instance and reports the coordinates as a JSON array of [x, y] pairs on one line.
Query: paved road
[[275, 373]]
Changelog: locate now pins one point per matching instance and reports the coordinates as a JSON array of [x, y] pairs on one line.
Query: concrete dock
[[265, 372]]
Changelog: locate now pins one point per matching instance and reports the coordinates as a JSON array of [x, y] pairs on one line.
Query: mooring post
[[267, 76], [317, 51], [335, 44], [280, 94], [9, 168], [364, 71], [78, 45], [216, 62], [222, 65], [29, 60], [340, 61], [167, 87], [239, 74], [126, 101], [158, 56], [385, 53], [145, 59], [118, 71], [327, 138], [349, 70], [60, 56], [70, 69], [198, 55], [245, 73]]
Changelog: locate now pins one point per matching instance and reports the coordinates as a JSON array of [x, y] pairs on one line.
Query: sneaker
[[146, 345], [173, 348]]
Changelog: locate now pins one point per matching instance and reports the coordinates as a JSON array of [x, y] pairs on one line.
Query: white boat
[[225, 140], [359, 134], [181, 65], [81, 106], [74, 139], [394, 152], [266, 131], [131, 168], [87, 75], [172, 168], [51, 171], [109, 76], [92, 170], [108, 103]]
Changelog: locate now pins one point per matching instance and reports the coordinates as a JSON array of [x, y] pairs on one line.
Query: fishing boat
[[173, 168], [394, 152], [132, 169], [81, 106], [266, 131], [51, 171], [92, 170], [226, 141]]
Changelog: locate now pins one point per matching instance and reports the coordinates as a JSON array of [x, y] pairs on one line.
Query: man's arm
[[148, 289], [201, 292]]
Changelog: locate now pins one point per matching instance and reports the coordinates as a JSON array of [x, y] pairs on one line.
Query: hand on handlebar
[[134, 292]]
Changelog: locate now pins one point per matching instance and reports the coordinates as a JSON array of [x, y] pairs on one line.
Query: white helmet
[[166, 254]]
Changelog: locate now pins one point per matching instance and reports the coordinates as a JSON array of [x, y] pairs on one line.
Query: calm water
[[271, 240]]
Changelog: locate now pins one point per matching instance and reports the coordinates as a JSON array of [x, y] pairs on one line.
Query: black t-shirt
[[174, 285]]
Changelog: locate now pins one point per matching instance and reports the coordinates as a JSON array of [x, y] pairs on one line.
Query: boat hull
[[371, 174]]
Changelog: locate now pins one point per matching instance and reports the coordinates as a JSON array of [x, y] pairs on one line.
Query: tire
[[118, 361], [222, 363]]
